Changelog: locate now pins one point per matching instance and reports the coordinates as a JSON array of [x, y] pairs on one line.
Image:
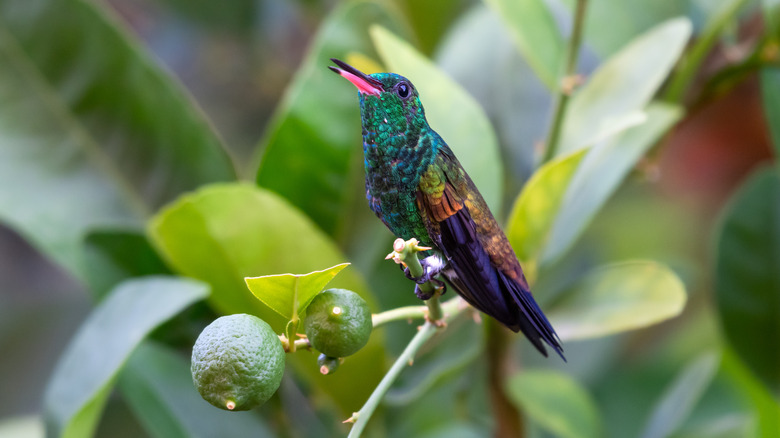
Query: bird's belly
[[398, 210]]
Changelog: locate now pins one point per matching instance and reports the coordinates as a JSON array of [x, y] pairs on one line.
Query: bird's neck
[[400, 155]]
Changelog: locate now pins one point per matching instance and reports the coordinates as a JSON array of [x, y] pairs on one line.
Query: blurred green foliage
[[120, 198]]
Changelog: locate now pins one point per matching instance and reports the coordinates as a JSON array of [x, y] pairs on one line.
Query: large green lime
[[237, 362], [338, 322]]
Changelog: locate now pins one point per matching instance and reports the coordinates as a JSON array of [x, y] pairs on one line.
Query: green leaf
[[290, 294], [92, 132], [681, 396], [226, 232], [619, 297], [157, 384], [555, 402], [770, 89], [537, 205], [624, 84], [747, 276], [312, 151], [451, 111], [85, 374], [599, 175], [765, 406], [536, 34], [114, 255]]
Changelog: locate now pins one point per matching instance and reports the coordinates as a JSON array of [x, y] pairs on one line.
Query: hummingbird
[[418, 188]]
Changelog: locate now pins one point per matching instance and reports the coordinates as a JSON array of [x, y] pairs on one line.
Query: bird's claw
[[432, 267], [438, 286]]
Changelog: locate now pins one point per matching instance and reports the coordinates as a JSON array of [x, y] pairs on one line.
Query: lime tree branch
[[426, 332], [409, 313], [436, 316]]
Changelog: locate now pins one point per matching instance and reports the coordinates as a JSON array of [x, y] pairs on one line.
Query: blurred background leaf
[[536, 34], [619, 297], [158, 386], [114, 255], [680, 397], [86, 373], [74, 149], [747, 274], [537, 206], [600, 173], [770, 86], [555, 402], [623, 84]]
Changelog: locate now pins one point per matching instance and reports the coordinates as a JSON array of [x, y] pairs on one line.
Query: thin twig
[[566, 83]]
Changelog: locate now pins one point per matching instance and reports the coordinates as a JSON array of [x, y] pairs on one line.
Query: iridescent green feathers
[[417, 187]]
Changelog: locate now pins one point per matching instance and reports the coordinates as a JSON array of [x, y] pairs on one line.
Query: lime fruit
[[237, 362], [338, 322]]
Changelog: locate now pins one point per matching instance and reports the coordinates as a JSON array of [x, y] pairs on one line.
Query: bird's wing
[[461, 225]]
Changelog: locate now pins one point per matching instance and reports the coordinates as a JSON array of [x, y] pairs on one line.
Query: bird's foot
[[438, 286], [432, 266]]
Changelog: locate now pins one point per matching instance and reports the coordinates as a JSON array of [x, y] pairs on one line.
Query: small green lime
[[338, 322], [237, 362]]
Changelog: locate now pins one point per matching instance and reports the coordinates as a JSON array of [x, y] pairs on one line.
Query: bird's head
[[385, 98]]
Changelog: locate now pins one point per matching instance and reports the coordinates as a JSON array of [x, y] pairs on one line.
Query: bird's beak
[[364, 83]]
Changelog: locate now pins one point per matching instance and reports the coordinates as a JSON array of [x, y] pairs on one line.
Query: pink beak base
[[362, 86]]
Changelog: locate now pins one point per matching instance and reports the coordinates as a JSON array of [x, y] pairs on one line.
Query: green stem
[[415, 268], [689, 66], [416, 312], [564, 92], [362, 416], [292, 326], [451, 308]]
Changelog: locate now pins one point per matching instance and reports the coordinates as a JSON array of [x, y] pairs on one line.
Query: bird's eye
[[403, 90]]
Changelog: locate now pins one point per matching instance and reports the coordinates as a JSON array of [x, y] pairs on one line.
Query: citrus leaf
[[290, 294], [624, 84], [450, 111], [312, 149], [747, 276], [536, 35], [225, 232], [157, 384], [86, 371], [681, 396], [600, 173], [770, 89], [537, 205], [555, 402], [619, 297], [92, 132]]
